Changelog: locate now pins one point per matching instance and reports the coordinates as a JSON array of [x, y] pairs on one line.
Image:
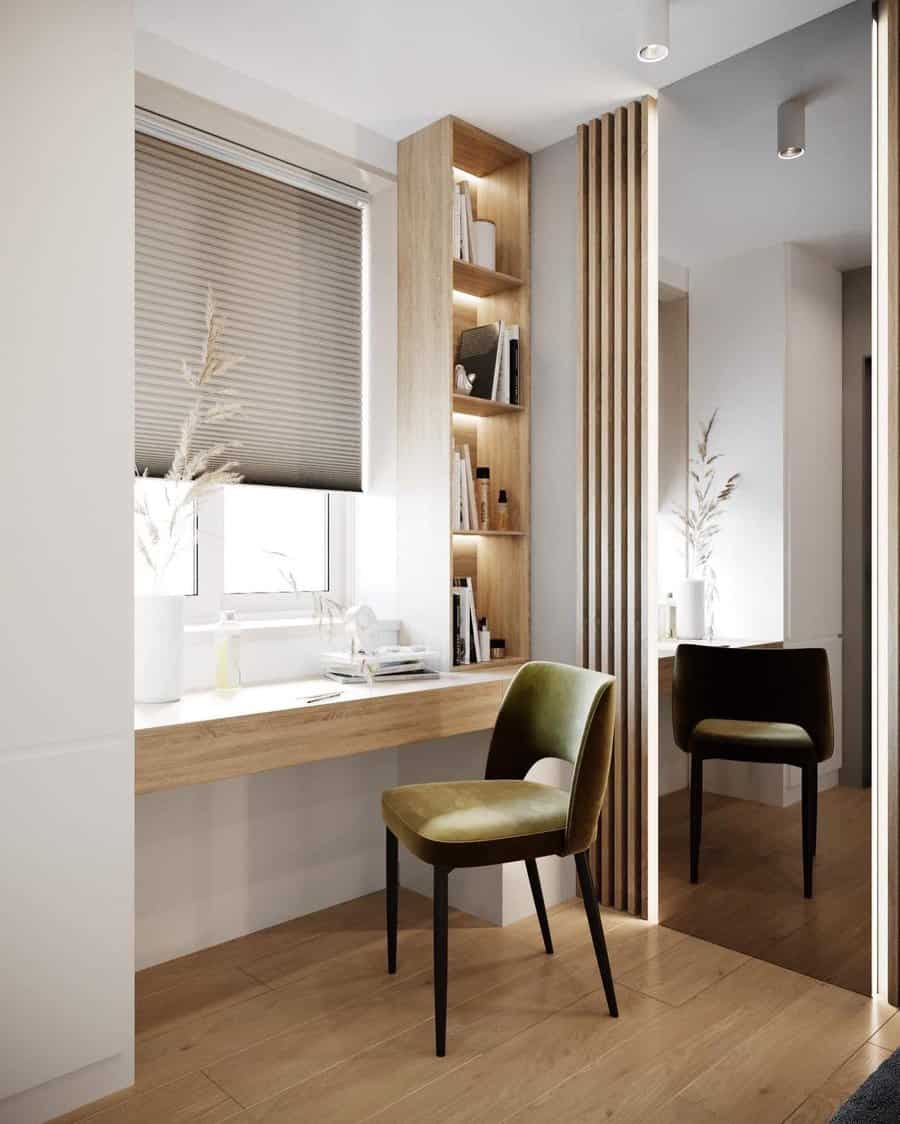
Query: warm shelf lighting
[[469, 177], [791, 129], [653, 31]]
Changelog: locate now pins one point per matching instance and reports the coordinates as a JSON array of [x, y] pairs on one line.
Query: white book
[[503, 380], [456, 221], [464, 624], [470, 488], [473, 622], [466, 514], [457, 500], [463, 225], [470, 221], [498, 362]]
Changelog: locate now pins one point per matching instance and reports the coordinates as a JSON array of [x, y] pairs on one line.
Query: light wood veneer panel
[[199, 752]]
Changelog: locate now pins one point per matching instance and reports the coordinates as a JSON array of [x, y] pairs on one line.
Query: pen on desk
[[322, 697]]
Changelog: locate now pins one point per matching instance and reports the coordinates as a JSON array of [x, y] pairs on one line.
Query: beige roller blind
[[285, 268]]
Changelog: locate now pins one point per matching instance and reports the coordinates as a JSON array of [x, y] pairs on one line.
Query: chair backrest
[[753, 685], [553, 710]]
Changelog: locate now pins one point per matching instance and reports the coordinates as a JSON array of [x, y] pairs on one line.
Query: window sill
[[276, 624]]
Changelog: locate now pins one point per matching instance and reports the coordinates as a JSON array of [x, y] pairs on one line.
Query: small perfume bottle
[[484, 641], [502, 510], [227, 649], [483, 497]]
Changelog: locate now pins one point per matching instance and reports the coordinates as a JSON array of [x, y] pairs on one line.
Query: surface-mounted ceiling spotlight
[[791, 129], [653, 30]]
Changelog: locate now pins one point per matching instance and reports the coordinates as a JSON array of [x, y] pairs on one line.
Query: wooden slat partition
[[617, 432]]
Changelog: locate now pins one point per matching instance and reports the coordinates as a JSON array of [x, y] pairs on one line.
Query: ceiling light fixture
[[791, 129], [653, 31]]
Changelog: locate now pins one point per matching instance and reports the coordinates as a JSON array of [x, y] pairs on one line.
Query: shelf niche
[[438, 298]]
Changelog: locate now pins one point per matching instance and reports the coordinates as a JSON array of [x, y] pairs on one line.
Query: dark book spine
[[514, 372]]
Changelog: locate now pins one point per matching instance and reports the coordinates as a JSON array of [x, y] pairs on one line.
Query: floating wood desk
[[205, 737]]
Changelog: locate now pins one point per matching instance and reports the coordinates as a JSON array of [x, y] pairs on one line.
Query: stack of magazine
[[396, 663]]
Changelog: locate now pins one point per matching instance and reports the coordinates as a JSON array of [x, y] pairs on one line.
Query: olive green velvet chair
[[550, 710], [766, 705]]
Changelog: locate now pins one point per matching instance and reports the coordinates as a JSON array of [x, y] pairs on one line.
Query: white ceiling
[[723, 190], [530, 70]]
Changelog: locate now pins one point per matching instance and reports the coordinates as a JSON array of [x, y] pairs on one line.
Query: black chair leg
[[809, 801], [441, 874], [392, 880], [537, 893], [815, 810], [696, 814], [592, 910]]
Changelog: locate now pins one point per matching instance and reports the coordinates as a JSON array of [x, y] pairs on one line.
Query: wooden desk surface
[[204, 737]]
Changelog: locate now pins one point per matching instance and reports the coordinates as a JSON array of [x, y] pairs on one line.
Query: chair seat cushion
[[777, 742], [477, 823]]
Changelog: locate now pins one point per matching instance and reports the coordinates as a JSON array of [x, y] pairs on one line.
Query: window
[[278, 253], [259, 550]]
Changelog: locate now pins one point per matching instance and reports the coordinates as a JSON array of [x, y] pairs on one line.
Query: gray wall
[[857, 346], [553, 415]]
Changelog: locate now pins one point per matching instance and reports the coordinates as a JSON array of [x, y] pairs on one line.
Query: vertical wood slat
[[614, 439]]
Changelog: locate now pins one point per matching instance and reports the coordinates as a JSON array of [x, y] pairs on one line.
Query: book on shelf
[[465, 506], [490, 355], [463, 223], [466, 642]]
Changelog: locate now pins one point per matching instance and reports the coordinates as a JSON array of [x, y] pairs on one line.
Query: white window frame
[[211, 598]]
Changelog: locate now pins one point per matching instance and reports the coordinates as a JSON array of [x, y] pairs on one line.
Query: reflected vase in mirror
[[690, 601]]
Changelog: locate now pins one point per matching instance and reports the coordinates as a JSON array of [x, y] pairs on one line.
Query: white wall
[[737, 358], [554, 419], [66, 762]]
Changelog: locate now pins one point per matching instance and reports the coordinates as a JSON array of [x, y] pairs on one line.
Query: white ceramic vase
[[485, 244], [158, 647], [690, 600]]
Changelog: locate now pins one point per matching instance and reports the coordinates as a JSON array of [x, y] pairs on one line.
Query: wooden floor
[[301, 1023], [750, 894]]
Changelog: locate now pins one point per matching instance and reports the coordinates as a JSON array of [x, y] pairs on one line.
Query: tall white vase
[[690, 598], [158, 647]]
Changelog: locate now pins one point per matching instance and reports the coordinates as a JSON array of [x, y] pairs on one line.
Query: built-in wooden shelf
[[434, 308], [482, 407], [494, 665], [480, 282], [496, 534]]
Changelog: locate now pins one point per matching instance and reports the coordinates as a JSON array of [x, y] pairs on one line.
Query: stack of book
[[466, 641], [465, 516], [463, 224], [490, 355], [390, 664]]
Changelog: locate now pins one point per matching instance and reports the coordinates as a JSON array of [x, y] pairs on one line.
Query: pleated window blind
[[285, 268]]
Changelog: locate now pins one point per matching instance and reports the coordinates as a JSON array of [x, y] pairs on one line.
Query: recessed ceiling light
[[791, 129], [653, 31]]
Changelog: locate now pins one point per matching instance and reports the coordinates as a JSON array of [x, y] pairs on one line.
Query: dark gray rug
[[877, 1100]]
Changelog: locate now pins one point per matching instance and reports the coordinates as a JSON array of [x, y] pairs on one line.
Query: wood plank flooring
[[301, 1023], [750, 894]]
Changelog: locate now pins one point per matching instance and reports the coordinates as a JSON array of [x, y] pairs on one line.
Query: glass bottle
[[227, 651]]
